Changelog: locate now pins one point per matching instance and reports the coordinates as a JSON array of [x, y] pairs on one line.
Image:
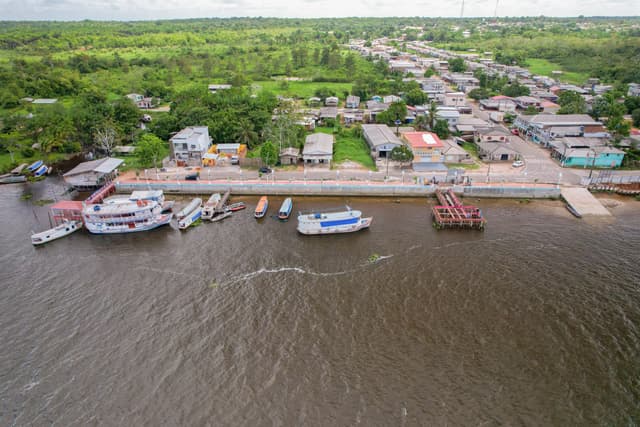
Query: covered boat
[[235, 207], [64, 229], [342, 221], [192, 217], [35, 166], [41, 170], [124, 216], [195, 203], [285, 209], [209, 208], [261, 209]]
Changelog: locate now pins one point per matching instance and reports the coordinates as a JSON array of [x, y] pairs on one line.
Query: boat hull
[[361, 225], [195, 215], [13, 179], [61, 230], [159, 221]]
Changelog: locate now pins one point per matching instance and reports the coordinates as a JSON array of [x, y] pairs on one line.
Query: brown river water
[[535, 321]]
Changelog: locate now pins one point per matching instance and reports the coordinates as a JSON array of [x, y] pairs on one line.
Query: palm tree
[[421, 122], [245, 134], [433, 110]]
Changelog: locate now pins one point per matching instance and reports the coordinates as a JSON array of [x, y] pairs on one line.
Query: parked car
[[235, 160], [514, 131], [517, 164], [265, 169]]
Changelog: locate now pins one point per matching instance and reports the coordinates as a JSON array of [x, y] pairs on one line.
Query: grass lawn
[[350, 147], [544, 67], [468, 166], [301, 89], [472, 149]]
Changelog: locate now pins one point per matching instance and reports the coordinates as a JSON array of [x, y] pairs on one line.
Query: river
[[535, 321]]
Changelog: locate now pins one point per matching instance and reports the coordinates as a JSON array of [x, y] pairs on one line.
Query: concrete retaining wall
[[332, 189]]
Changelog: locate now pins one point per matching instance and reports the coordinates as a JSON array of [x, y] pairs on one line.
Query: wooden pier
[[451, 213]]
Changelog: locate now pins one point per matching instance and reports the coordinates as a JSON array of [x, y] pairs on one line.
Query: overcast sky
[[164, 9]]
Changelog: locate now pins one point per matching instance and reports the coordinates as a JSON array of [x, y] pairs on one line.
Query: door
[[504, 157]]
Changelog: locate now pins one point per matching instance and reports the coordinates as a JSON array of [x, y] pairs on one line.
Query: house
[[389, 99], [496, 151], [549, 107], [381, 140], [314, 101], [353, 116], [453, 153], [331, 101], [497, 134], [290, 156], [468, 124], [427, 150], [634, 89], [318, 149], [93, 174], [454, 99], [352, 101], [524, 102], [141, 101], [189, 145], [586, 152], [450, 114], [228, 149], [543, 128], [213, 88], [498, 103], [308, 123], [328, 113]]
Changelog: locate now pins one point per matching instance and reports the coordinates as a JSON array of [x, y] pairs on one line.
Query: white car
[[517, 164]]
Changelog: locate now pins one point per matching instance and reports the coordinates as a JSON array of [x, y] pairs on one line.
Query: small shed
[[497, 151], [290, 156]]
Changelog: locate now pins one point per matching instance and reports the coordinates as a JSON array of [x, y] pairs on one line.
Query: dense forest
[[90, 66]]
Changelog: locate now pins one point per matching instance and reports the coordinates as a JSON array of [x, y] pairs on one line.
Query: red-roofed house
[[427, 150]]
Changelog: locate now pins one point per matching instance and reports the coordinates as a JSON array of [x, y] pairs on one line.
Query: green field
[[350, 147], [301, 89], [543, 67]]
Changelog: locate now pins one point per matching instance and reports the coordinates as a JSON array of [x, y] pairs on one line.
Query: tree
[[571, 103], [616, 124], [635, 115], [415, 97], [149, 150], [105, 138], [442, 129], [432, 114], [245, 133], [401, 154], [514, 90], [457, 65], [269, 153], [421, 122], [478, 94], [530, 111]]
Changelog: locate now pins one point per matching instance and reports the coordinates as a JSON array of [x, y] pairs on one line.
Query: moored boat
[[167, 206], [192, 217], [236, 206], [195, 203], [155, 195], [64, 229], [285, 209], [209, 208], [342, 221], [124, 216], [35, 166], [12, 179], [221, 216], [41, 170], [263, 206]]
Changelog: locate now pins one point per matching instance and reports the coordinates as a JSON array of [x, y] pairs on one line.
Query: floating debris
[[213, 285], [374, 258], [43, 202], [26, 196]]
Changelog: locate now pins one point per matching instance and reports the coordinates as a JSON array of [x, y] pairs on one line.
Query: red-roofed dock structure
[[451, 213]]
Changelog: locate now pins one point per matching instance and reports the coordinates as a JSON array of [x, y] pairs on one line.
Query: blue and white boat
[[192, 217], [35, 166], [342, 221], [285, 209], [195, 203], [41, 170]]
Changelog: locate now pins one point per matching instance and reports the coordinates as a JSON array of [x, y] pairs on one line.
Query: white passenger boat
[[343, 221], [209, 208], [195, 203], [155, 195], [124, 216], [192, 217], [64, 229]]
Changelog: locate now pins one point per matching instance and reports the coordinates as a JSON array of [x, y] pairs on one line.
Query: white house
[[318, 149], [454, 99], [189, 145]]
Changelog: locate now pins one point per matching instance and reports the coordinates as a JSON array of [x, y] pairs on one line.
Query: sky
[[172, 9]]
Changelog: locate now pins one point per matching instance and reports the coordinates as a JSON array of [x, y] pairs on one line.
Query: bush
[[71, 147], [27, 152]]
